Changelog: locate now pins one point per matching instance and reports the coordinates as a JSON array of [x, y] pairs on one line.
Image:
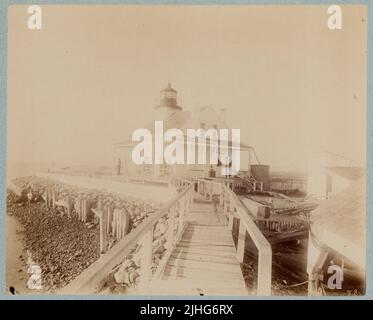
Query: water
[[23, 169]]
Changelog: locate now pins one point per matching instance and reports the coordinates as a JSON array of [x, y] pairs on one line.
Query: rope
[[298, 284]]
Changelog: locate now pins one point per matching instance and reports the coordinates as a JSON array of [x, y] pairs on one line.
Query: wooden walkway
[[204, 261], [200, 257]]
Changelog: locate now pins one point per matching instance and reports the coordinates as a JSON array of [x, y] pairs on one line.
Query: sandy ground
[[16, 267]]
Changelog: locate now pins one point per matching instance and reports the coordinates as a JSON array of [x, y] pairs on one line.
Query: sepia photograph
[[186, 150]]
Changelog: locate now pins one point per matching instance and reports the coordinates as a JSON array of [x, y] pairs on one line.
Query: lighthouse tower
[[168, 103]]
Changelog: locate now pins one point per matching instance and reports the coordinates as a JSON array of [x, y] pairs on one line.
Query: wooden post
[[241, 242], [316, 258], [80, 208], [225, 204], [50, 201], [146, 258], [190, 202], [182, 209], [190, 198], [113, 225], [69, 206], [47, 197], [264, 271], [119, 224], [230, 220], [103, 225], [115, 221], [221, 198], [109, 219], [123, 216], [210, 191], [84, 210], [171, 226], [53, 198]]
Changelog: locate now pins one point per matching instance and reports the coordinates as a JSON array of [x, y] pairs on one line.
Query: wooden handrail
[[89, 280], [261, 243], [233, 207]]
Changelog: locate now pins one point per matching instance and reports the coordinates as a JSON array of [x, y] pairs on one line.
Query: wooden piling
[[69, 206], [109, 219], [53, 199], [103, 223], [47, 197]]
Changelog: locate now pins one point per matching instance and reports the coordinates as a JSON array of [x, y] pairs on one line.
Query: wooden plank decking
[[204, 261]]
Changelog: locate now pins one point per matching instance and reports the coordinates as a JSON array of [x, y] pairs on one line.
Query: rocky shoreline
[[61, 246]]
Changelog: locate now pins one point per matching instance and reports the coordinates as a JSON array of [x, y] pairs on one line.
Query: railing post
[[241, 242], [230, 219], [146, 258], [190, 198], [264, 271], [190, 201], [225, 202], [182, 209], [171, 227]]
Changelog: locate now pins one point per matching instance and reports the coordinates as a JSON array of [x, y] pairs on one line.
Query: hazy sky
[[93, 74]]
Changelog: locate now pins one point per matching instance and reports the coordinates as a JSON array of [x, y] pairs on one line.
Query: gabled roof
[[178, 119], [186, 119], [349, 173]]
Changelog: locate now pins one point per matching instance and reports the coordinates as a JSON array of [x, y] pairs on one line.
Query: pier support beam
[[316, 258]]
